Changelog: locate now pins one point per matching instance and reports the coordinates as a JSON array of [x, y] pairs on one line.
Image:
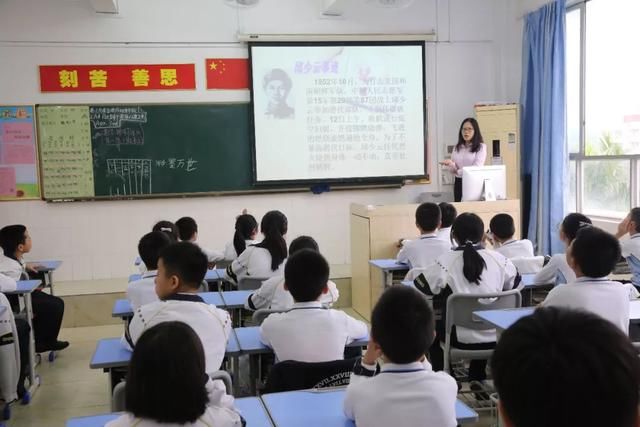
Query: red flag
[[227, 73]]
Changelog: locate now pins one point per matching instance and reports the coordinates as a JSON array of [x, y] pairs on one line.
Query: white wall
[[473, 60]]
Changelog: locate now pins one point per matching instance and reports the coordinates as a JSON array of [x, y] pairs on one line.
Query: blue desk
[[47, 267], [92, 421], [253, 411], [502, 319], [235, 299], [122, 307], [387, 267], [324, 409]]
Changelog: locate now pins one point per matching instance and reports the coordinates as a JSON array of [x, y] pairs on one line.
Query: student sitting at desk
[[502, 229], [309, 332], [167, 384], [592, 256], [273, 295], [169, 229], [406, 389], [557, 269], [631, 246], [244, 236], [264, 259], [7, 284], [181, 269], [423, 251], [188, 232], [47, 309], [470, 269], [449, 214], [559, 368], [143, 291]]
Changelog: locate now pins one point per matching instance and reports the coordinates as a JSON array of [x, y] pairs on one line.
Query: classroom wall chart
[[18, 161]]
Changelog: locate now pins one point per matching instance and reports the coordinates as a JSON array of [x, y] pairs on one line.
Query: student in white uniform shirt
[[502, 229], [406, 390], [561, 367], [143, 291], [244, 236], [273, 295], [423, 251], [592, 256], [309, 332], [169, 229], [188, 232], [264, 259], [181, 269], [167, 385], [631, 246], [557, 269], [449, 214], [470, 269]]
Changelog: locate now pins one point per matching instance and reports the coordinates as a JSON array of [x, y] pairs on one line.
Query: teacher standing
[[470, 151]]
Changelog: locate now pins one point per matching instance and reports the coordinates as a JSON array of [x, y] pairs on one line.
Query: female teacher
[[470, 151]]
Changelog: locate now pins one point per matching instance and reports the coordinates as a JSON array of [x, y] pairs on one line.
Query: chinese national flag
[[227, 73]]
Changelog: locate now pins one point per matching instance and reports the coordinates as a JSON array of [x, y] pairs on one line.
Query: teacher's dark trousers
[[457, 190]]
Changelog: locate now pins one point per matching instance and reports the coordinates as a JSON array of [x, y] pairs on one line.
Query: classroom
[[292, 198]]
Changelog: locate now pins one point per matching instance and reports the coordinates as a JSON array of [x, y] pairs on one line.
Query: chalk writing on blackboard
[[128, 177], [188, 164], [119, 136], [112, 117]]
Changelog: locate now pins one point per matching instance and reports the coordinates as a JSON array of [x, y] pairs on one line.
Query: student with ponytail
[[469, 269], [244, 236], [264, 259]]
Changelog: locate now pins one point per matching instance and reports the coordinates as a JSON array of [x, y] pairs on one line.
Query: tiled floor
[[70, 389]]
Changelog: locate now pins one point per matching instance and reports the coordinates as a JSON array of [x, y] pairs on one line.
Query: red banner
[[227, 73], [101, 78]]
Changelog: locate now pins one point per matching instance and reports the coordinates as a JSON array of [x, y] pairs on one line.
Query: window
[[603, 109]]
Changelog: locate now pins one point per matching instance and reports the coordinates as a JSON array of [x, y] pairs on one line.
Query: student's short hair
[[560, 367], [635, 217], [428, 216], [306, 274], [166, 378], [12, 236], [574, 222], [595, 251], [167, 227], [149, 248], [185, 260], [187, 227], [449, 214], [303, 242], [502, 226], [277, 74], [402, 323]]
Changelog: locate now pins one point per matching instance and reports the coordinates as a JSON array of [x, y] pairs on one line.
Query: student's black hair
[[167, 227], [502, 226], [185, 260], [477, 136], [12, 236], [166, 381], [306, 274], [149, 248], [187, 227], [274, 227], [560, 367], [246, 226], [449, 214], [595, 251], [428, 216], [574, 222], [402, 323], [303, 242], [468, 230], [635, 217]]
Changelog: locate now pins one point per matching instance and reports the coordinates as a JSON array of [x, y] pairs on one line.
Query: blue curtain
[[544, 149]]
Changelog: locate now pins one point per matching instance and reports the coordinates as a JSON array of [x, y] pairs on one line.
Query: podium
[[375, 231]]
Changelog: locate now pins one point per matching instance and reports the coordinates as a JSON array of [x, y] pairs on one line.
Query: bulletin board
[[18, 154]]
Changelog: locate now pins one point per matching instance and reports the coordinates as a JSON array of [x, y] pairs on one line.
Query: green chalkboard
[[147, 150]]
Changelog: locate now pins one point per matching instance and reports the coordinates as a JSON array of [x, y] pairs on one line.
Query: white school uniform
[[273, 295], [143, 291], [422, 252], [444, 234], [11, 268], [253, 262], [556, 269], [10, 350], [516, 248], [600, 296], [7, 284], [216, 414], [310, 333], [408, 395], [631, 251], [499, 276], [230, 252], [211, 324], [212, 256]]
